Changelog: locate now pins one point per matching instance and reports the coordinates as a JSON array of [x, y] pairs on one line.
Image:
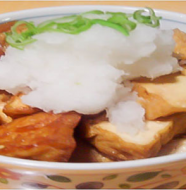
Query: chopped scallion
[[22, 31]]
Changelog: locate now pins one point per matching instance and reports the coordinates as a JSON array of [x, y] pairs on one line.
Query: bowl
[[158, 173]]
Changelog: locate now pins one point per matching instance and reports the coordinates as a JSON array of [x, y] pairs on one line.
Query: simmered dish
[[93, 87]]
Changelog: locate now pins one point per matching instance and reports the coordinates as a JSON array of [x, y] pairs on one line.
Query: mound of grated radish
[[87, 72]]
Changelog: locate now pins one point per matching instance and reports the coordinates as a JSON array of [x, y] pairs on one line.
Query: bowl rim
[[103, 166], [89, 166], [8, 16]]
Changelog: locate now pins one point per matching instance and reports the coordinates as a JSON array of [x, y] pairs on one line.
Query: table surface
[[177, 6]]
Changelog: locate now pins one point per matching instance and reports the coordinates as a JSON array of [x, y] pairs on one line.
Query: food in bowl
[[109, 74]]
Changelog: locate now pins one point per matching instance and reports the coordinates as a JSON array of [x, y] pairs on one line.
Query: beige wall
[[7, 6]]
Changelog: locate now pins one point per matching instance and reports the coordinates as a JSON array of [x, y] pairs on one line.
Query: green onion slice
[[111, 25], [19, 40], [19, 44], [123, 21], [97, 12], [75, 24], [150, 20]]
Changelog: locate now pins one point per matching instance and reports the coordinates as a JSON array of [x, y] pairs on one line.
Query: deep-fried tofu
[[12, 107], [41, 136], [85, 152], [177, 145], [162, 96], [5, 27], [122, 146], [4, 98], [1, 51], [2, 44], [180, 47], [15, 108], [3, 117]]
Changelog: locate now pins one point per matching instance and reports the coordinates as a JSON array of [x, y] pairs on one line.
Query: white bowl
[[161, 172]]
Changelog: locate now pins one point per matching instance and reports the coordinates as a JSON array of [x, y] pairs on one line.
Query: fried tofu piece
[[180, 47], [183, 72], [122, 146], [176, 146], [1, 51], [85, 152], [162, 96], [3, 44], [15, 108], [3, 117], [5, 27], [41, 136], [4, 98], [11, 107]]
